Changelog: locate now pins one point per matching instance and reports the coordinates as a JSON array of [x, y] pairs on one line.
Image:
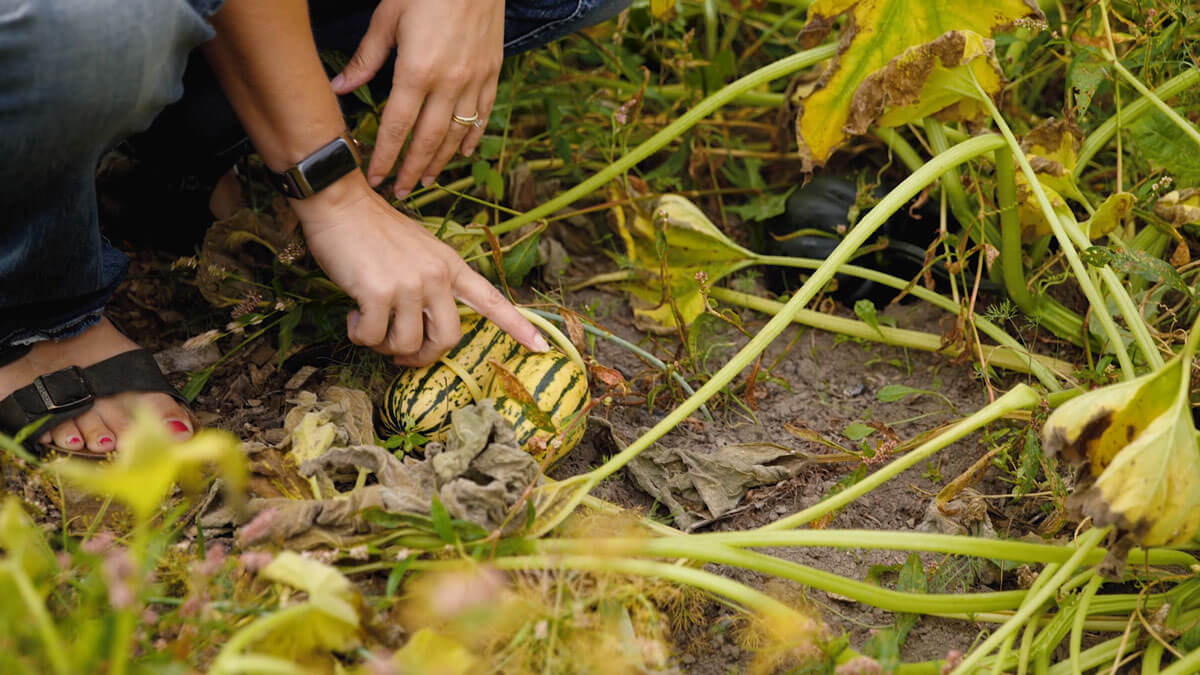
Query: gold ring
[[465, 121]]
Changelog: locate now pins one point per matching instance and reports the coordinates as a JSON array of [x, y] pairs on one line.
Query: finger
[[431, 129], [399, 114], [475, 292], [452, 142], [368, 327], [487, 99], [408, 325], [372, 51], [442, 327]]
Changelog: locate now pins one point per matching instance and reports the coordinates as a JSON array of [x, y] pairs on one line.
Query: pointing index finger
[[475, 292]]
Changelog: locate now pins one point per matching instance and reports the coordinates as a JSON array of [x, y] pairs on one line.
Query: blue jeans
[[78, 76]]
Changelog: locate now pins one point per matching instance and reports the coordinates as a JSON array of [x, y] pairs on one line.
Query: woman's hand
[[404, 280], [448, 55]]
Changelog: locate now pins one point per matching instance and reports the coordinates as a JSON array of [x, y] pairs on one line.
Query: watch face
[[328, 164]]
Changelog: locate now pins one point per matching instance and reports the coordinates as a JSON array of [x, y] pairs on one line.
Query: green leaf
[[397, 575], [441, 521], [762, 207], [856, 431], [1166, 147], [1137, 263], [890, 393], [865, 310], [519, 260], [1086, 72], [195, 384], [287, 325]]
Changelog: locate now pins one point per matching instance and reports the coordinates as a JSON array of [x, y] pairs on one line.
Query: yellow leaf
[[327, 622], [1108, 215], [660, 8], [876, 32], [935, 77], [1139, 443], [674, 245], [1052, 147], [1095, 426], [435, 654]]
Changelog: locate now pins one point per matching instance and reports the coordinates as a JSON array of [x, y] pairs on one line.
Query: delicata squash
[[544, 396]]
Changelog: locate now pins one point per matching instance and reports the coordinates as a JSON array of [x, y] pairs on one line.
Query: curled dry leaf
[[1180, 207]]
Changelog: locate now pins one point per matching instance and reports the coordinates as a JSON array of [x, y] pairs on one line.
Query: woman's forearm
[[266, 61]]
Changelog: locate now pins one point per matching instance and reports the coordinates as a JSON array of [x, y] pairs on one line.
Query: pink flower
[[98, 544], [253, 561], [117, 570], [214, 558], [258, 527], [862, 665]]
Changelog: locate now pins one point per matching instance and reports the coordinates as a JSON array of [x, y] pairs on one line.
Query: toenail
[[74, 440], [105, 440], [177, 426]]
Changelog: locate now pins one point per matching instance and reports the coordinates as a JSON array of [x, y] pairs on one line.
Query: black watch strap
[[317, 171]]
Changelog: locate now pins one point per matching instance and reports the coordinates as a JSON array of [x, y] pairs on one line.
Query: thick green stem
[[997, 356], [724, 587], [1061, 321], [1077, 626], [903, 150], [977, 547], [1099, 308], [1034, 602], [1102, 134], [673, 130], [1043, 374], [1018, 398], [952, 186]]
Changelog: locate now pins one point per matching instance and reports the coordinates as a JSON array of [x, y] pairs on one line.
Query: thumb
[[372, 51]]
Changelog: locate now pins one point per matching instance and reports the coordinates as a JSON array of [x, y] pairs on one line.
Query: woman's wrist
[[317, 211]]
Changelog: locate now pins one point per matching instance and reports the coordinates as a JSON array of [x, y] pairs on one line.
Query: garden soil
[[818, 381]]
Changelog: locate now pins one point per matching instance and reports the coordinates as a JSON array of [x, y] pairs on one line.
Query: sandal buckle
[[68, 384]]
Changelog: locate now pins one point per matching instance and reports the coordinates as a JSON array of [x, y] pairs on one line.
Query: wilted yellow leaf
[[674, 245], [935, 77], [1139, 443], [659, 8], [430, 652], [1052, 147], [327, 622], [1108, 215], [878, 31]]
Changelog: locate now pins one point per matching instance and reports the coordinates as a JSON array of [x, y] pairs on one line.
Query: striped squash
[[428, 395], [559, 388]]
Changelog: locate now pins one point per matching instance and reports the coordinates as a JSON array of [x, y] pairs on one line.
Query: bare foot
[[98, 429]]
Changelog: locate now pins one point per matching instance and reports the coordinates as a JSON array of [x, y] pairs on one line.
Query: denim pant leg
[[75, 77], [529, 24]]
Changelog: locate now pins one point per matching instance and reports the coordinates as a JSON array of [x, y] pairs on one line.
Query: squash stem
[[910, 339]]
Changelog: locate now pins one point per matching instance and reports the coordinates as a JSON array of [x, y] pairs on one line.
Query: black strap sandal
[[66, 393]]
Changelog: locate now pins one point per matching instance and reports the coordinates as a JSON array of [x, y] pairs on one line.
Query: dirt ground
[[831, 383]]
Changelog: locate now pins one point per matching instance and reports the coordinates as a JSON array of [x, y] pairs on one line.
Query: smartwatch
[[317, 171]]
